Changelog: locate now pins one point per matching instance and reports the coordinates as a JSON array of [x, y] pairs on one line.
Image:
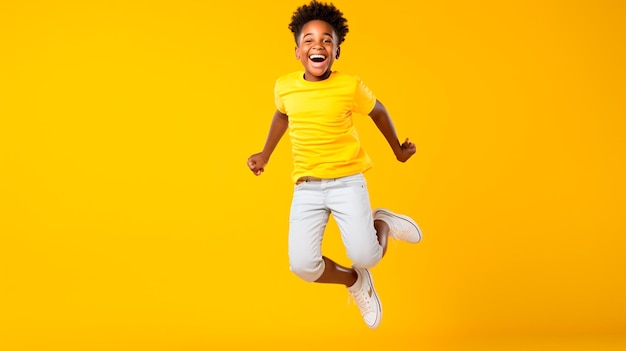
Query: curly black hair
[[319, 11]]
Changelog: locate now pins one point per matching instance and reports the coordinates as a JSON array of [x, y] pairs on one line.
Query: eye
[[327, 41]]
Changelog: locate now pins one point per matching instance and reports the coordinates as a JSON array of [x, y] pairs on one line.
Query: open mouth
[[317, 58]]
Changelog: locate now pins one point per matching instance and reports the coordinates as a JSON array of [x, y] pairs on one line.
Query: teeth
[[317, 58]]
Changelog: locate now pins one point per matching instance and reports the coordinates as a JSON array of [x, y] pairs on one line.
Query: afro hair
[[319, 11]]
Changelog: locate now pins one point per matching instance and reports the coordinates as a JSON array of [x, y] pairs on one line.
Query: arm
[[257, 162], [381, 118]]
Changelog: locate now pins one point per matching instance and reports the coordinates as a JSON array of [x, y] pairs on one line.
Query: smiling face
[[317, 50]]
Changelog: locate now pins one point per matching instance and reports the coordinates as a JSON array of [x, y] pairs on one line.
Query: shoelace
[[360, 298], [399, 232]]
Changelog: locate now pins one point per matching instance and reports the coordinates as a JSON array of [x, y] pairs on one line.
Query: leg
[[310, 209], [307, 222], [335, 273], [365, 244], [365, 240]]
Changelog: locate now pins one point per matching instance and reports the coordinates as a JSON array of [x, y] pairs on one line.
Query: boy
[[316, 106]]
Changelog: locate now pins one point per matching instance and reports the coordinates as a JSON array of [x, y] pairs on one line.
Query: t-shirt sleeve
[[280, 106], [364, 99]]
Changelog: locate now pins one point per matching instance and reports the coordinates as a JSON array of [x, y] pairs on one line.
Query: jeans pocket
[[354, 181]]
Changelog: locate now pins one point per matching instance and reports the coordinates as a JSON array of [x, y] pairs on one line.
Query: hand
[[407, 149], [257, 163]]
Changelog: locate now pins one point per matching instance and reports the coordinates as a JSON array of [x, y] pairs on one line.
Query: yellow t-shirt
[[324, 140]]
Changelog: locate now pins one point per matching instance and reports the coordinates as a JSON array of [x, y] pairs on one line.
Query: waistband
[[308, 179]]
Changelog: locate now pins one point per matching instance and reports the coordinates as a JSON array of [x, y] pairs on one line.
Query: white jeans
[[348, 201]]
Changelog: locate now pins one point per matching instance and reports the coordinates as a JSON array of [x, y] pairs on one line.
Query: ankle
[[355, 279]]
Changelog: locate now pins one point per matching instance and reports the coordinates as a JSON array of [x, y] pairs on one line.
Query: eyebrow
[[325, 33]]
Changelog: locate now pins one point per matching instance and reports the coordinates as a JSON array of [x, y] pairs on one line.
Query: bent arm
[[279, 126], [257, 162], [383, 122]]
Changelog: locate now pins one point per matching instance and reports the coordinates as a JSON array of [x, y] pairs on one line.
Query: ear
[[297, 53], [338, 52]]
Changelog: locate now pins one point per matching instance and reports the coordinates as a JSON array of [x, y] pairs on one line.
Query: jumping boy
[[316, 105]]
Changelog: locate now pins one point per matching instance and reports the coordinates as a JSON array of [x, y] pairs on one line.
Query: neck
[[312, 78]]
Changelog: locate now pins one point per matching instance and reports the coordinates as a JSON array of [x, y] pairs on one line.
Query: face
[[317, 50]]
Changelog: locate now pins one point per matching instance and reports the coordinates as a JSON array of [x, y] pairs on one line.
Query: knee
[[365, 258], [309, 271]]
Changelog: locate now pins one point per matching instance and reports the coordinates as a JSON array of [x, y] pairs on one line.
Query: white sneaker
[[400, 227], [366, 298]]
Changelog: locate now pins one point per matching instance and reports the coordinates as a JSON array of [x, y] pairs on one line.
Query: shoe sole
[[403, 217], [374, 295]]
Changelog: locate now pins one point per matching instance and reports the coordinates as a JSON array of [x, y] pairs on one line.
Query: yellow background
[[129, 220]]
